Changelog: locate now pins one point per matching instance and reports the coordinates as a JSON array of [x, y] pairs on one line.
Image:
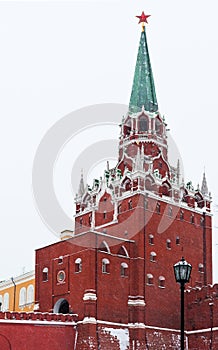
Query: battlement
[[38, 316], [202, 306], [200, 294]]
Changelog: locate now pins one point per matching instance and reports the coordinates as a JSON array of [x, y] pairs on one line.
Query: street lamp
[[182, 271]]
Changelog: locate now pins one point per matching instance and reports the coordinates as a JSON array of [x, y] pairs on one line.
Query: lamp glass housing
[[182, 271]]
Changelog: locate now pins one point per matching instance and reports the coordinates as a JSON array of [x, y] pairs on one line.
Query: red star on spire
[[143, 18]]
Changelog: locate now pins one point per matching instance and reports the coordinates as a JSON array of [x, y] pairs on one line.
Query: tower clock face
[[61, 276]]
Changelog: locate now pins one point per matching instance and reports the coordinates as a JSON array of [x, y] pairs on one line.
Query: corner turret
[[204, 188]]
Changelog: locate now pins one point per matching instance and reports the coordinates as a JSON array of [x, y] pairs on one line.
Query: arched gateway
[[61, 307]]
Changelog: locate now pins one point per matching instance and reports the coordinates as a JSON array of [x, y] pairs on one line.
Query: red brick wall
[[191, 247], [20, 336], [24, 331], [202, 340], [202, 308]]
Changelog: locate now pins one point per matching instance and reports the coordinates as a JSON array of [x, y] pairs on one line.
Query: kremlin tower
[[113, 275], [131, 227]]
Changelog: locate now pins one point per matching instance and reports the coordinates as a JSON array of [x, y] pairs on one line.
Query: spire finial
[[143, 89], [204, 188], [139, 161], [143, 19], [81, 189]]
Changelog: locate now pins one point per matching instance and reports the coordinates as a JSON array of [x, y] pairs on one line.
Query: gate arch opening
[[61, 307]]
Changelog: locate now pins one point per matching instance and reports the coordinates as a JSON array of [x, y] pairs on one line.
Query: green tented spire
[[143, 89]]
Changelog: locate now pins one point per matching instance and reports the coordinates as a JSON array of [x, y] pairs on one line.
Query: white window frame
[[22, 297], [124, 269], [30, 294], [105, 265], [78, 265]]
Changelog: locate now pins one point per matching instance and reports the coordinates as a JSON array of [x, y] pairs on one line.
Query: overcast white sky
[[56, 57]]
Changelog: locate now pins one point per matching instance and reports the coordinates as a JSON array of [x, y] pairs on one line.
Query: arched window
[[105, 266], [153, 256], [119, 209], [105, 215], [166, 189], [157, 126], [90, 219], [127, 127], [45, 274], [22, 297], [151, 239], [158, 208], [124, 270], [30, 294], [192, 219], [181, 215], [123, 251], [127, 185], [60, 260], [177, 240], [168, 243], [104, 247], [6, 302], [78, 265], [199, 200], [201, 268], [130, 204], [80, 222], [170, 212], [143, 124], [150, 279], [162, 282]]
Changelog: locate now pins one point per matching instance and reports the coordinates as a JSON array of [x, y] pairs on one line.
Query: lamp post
[[182, 271], [211, 324]]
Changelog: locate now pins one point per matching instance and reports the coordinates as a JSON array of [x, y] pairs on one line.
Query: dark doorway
[[61, 307]]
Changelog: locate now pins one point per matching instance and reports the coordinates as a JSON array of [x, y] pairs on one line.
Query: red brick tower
[[131, 227]]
